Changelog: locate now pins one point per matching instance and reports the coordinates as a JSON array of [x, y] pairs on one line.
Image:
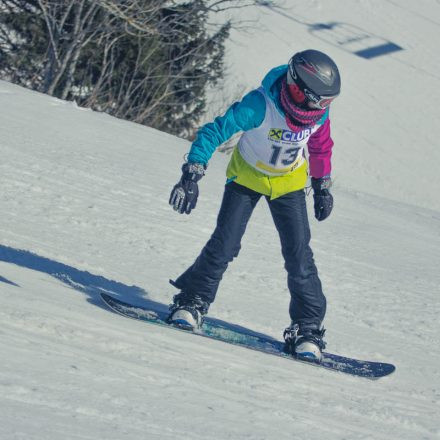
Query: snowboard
[[246, 338]]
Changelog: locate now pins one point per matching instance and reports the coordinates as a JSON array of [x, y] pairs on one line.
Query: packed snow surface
[[84, 209]]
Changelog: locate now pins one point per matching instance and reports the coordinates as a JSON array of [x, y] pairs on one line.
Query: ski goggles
[[300, 93]]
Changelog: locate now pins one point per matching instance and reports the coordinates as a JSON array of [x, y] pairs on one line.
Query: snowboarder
[[287, 113]]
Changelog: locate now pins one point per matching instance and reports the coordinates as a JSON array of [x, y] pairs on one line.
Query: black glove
[[184, 195], [323, 199]]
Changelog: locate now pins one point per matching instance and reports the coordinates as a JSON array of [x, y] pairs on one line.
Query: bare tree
[[149, 61]]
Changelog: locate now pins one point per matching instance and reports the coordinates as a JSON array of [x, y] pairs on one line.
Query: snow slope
[[84, 208]]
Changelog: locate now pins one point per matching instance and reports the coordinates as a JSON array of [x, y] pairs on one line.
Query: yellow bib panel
[[242, 173]]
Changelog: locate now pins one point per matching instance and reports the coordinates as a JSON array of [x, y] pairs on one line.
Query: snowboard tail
[[243, 337]]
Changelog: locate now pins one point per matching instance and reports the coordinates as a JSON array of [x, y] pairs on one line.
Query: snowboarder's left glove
[[323, 199], [184, 195]]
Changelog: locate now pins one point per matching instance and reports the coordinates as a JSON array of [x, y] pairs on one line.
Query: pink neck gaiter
[[297, 118]]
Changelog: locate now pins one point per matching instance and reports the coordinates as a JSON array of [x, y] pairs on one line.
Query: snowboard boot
[[188, 311], [305, 341]]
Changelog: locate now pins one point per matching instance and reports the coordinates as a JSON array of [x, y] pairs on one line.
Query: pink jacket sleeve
[[320, 146]]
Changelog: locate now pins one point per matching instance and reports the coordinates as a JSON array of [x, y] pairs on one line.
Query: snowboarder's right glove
[[184, 195], [323, 199]]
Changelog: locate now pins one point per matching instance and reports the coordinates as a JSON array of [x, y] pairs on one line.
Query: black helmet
[[317, 75]]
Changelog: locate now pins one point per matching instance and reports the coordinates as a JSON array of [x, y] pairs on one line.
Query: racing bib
[[273, 148]]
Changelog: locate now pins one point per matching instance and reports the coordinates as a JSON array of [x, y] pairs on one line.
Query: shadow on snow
[[93, 285], [6, 281]]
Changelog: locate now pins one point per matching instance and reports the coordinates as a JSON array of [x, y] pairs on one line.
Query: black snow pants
[[308, 303]]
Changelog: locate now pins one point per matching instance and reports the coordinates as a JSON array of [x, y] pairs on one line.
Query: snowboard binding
[[304, 342]]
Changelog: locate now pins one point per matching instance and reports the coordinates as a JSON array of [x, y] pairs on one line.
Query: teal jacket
[[245, 115]]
